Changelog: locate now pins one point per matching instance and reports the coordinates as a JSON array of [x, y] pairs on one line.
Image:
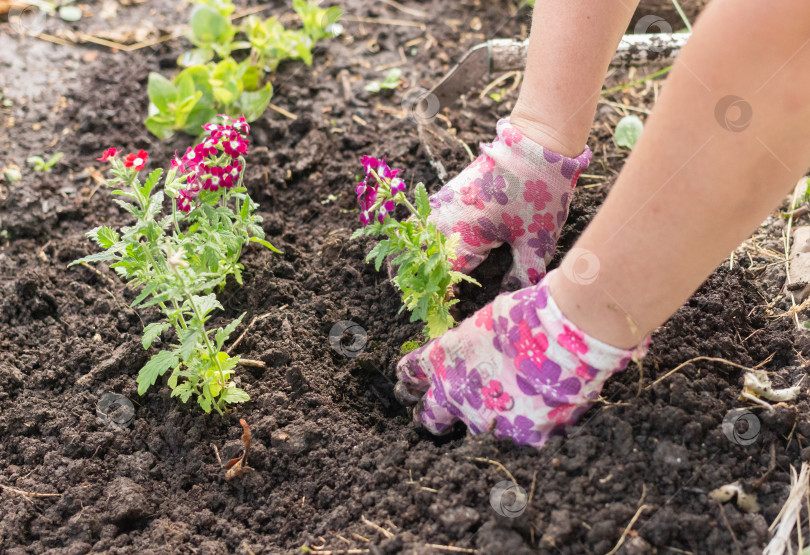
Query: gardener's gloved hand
[[515, 192], [518, 364]]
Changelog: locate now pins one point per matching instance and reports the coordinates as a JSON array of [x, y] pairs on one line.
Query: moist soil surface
[[337, 463]]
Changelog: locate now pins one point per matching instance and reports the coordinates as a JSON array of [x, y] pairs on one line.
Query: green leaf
[[206, 304], [151, 181], [105, 236], [222, 335], [157, 366], [628, 131], [161, 91], [264, 243], [223, 95], [252, 104], [208, 26], [159, 127], [148, 290], [97, 257], [205, 401], [422, 200], [196, 56], [152, 332], [189, 339], [234, 395]]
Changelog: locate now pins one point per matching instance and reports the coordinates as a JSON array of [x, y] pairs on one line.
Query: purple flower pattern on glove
[[521, 369], [513, 191]]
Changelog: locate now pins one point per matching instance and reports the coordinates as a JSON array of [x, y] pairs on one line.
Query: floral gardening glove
[[515, 192], [518, 364]]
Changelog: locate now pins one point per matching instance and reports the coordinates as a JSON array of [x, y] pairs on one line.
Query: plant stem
[[209, 347]]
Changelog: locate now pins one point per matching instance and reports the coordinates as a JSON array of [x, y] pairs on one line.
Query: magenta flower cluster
[[377, 190], [213, 164]]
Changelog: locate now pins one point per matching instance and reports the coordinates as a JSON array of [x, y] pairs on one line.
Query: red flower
[[216, 180], [109, 153], [137, 161]]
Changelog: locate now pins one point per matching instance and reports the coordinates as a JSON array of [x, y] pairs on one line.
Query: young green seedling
[[207, 87], [178, 259], [390, 82], [39, 164], [423, 255]]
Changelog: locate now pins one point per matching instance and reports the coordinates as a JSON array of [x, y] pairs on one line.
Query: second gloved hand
[[515, 192]]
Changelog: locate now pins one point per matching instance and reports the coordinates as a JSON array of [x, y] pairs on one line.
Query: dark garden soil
[[333, 451]]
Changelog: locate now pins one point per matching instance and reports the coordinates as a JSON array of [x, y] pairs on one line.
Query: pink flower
[[231, 174], [233, 144], [515, 225], [495, 398], [542, 221], [109, 153], [573, 341], [241, 125], [214, 182], [468, 234], [483, 164], [534, 276], [386, 207], [511, 135], [537, 193], [561, 414], [483, 318], [192, 158], [437, 356], [469, 196], [530, 347], [184, 200]]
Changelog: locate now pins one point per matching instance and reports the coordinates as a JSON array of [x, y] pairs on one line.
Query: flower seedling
[[207, 87], [391, 81], [179, 258], [423, 255], [39, 164]]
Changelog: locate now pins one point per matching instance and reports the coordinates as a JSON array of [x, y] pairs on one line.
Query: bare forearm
[[571, 45], [696, 186]]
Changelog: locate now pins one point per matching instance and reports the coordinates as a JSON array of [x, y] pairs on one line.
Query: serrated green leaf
[[151, 181], [189, 339], [422, 200], [234, 395], [222, 335], [152, 332], [148, 290], [156, 367], [97, 257], [206, 304]]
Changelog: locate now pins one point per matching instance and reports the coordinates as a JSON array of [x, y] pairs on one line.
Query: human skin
[[692, 190], [709, 167], [572, 43]]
